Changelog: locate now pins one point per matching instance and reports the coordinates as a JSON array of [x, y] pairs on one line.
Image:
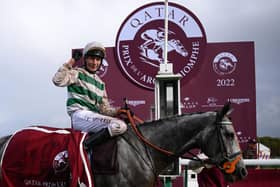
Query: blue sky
[[37, 37]]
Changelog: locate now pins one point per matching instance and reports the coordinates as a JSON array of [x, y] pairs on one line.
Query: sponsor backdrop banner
[[212, 73]]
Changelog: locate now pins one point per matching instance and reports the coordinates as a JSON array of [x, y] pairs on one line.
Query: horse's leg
[[3, 142]]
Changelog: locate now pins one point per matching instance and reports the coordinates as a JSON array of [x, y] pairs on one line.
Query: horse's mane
[[170, 118], [4, 139]]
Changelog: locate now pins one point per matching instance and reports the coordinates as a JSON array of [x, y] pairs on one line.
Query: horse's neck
[[177, 134], [176, 131]]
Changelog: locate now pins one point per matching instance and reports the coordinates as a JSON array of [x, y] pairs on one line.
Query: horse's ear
[[226, 110]]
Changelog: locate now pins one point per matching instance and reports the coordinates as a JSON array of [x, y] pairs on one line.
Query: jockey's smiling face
[[93, 63]]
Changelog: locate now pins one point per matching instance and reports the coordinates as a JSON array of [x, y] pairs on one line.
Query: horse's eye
[[230, 135]]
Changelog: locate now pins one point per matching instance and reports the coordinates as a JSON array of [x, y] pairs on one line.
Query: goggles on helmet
[[95, 53]]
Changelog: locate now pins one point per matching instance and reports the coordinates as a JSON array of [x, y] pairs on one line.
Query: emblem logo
[[60, 162], [140, 43], [224, 63], [151, 50]]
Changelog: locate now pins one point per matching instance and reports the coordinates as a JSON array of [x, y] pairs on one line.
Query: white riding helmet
[[94, 49]]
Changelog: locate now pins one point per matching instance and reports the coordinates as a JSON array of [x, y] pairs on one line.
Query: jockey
[[87, 103]]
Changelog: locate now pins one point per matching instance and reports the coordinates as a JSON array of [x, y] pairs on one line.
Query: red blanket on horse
[[45, 157]]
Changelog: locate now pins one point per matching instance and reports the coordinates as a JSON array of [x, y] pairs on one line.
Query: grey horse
[[140, 164]]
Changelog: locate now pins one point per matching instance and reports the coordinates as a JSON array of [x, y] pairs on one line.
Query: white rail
[[248, 162], [260, 162], [190, 178]]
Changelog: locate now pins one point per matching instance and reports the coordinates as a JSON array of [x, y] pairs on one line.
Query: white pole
[[165, 32], [259, 162], [248, 162]]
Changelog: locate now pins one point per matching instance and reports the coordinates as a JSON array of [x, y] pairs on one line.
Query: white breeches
[[89, 121]]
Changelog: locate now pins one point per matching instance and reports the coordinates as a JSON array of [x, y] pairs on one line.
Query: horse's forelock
[[224, 112]]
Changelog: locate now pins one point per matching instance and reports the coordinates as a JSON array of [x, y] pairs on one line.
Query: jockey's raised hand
[[71, 62]]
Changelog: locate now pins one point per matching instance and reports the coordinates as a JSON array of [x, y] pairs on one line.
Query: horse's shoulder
[[129, 140], [128, 136]]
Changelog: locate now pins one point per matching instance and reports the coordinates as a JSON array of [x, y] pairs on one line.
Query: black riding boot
[[97, 138]]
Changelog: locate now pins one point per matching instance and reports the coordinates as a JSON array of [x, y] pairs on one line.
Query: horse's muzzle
[[239, 174], [241, 170]]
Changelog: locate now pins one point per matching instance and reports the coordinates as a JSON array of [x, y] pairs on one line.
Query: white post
[[165, 67], [165, 32], [167, 94]]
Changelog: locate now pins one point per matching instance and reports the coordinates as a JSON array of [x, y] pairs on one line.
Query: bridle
[[227, 163], [229, 160]]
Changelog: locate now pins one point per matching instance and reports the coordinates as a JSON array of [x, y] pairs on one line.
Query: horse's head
[[222, 147]]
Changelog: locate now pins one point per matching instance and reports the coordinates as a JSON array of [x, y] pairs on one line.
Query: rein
[[132, 120]]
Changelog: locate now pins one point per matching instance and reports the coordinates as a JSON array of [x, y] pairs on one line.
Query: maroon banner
[[227, 74]]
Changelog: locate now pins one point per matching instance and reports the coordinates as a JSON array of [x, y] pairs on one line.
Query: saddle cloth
[[45, 157]]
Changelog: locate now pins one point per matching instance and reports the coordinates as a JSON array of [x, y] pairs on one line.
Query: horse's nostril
[[243, 172]]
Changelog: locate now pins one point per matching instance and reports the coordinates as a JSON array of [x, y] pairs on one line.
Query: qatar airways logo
[[140, 43]]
